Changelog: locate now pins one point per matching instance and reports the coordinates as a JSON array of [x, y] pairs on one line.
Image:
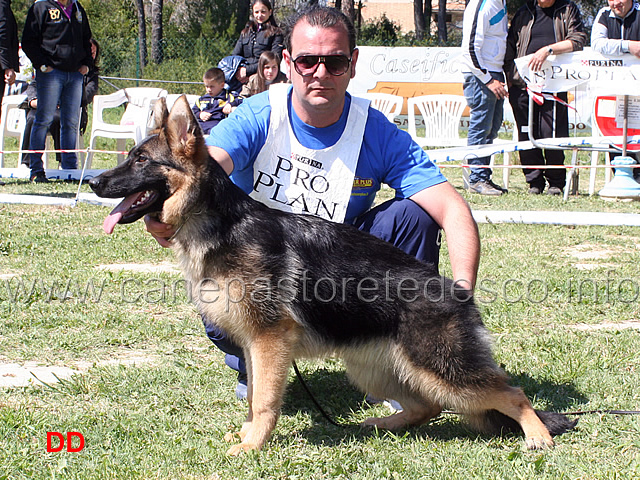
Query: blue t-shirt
[[388, 155]]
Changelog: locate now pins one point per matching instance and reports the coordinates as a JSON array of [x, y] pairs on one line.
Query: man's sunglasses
[[336, 65]]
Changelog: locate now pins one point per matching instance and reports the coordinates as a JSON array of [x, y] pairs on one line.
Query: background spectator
[[484, 41], [31, 105], [261, 34], [9, 60], [56, 38], [91, 85], [540, 29], [616, 29], [268, 73], [616, 32], [217, 103], [234, 70]]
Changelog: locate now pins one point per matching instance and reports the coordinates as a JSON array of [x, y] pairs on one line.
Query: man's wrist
[[625, 46]]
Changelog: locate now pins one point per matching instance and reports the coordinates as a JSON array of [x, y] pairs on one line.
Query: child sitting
[[268, 74], [217, 103]]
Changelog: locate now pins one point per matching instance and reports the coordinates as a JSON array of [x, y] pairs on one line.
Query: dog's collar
[[187, 218]]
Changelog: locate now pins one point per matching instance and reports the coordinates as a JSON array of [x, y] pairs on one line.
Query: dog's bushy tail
[[496, 423]]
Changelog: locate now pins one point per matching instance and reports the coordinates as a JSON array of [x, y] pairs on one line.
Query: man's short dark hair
[[216, 74], [317, 16]]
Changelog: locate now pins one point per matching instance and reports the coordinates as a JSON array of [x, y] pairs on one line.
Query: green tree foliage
[[380, 31]]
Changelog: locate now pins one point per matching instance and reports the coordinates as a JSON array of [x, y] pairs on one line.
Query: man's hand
[[498, 89], [538, 58], [162, 232], [9, 76], [634, 48], [204, 116], [83, 69], [227, 109]]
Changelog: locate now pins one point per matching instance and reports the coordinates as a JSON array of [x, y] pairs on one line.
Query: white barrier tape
[[480, 216], [84, 150], [89, 198], [557, 218], [532, 167], [24, 173]]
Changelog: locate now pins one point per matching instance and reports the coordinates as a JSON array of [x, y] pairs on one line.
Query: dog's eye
[[141, 159]]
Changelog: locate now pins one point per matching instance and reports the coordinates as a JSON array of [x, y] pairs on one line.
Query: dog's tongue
[[116, 214]]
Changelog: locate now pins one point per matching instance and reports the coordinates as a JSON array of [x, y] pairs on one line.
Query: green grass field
[[153, 398]]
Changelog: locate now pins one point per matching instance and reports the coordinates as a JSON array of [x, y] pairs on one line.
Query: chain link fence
[[184, 61]]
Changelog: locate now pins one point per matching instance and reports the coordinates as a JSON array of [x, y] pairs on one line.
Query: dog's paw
[[241, 448], [538, 443], [392, 422], [231, 436]]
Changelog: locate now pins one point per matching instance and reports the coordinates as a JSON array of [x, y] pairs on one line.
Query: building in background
[[400, 12]]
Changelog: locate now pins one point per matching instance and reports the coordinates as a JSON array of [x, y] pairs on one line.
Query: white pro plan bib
[[293, 178]]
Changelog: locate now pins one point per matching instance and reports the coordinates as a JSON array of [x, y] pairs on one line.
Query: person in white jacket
[[616, 29], [484, 40]]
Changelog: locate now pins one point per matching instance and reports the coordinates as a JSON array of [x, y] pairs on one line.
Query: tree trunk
[[142, 33], [156, 31], [442, 22], [243, 15], [348, 9], [422, 18], [418, 19]]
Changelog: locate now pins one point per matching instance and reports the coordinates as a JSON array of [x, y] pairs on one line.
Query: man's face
[[320, 92], [546, 3], [620, 7]]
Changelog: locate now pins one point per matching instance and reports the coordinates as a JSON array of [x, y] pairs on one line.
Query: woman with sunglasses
[[261, 34], [312, 148]]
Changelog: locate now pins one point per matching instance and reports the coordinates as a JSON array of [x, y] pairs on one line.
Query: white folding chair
[[390, 105], [135, 123], [12, 122], [441, 116]]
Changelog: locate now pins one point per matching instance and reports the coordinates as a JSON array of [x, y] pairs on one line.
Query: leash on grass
[[607, 412], [448, 412], [313, 399]]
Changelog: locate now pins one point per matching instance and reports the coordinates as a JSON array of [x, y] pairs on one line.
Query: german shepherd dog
[[285, 286]]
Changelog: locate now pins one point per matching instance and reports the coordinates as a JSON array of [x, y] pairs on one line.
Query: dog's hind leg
[[414, 412], [270, 356]]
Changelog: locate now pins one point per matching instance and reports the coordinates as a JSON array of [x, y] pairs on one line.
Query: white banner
[[408, 71], [604, 75]]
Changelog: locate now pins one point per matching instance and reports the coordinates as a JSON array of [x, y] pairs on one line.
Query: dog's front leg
[[270, 356], [246, 426]]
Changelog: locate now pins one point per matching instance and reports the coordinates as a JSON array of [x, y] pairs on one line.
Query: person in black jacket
[[259, 35], [89, 91], [91, 85], [9, 60], [56, 38], [541, 28]]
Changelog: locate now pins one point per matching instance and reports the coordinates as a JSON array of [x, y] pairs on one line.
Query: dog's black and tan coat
[[285, 286]]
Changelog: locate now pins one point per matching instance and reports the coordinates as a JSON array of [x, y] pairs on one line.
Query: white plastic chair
[[12, 122], [136, 122], [172, 97], [441, 116], [390, 105]]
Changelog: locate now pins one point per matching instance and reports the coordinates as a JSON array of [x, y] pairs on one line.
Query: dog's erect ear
[[160, 114], [182, 130]]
